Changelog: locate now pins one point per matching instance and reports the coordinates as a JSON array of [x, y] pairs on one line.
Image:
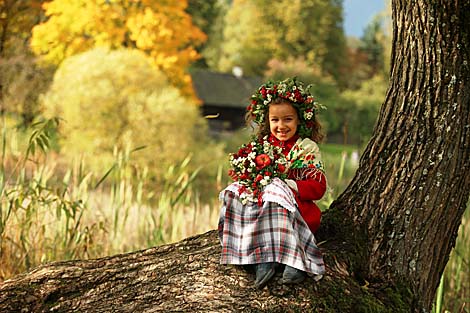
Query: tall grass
[[39, 221], [341, 164], [26, 198], [454, 290], [48, 213]]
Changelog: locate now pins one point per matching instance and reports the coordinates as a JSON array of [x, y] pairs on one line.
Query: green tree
[[257, 31], [110, 98], [376, 44], [206, 15], [372, 47], [248, 40], [370, 55], [357, 109], [312, 29]]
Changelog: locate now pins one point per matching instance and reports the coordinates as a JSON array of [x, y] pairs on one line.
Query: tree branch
[[185, 276]]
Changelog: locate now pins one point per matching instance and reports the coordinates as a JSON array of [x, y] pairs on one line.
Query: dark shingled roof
[[223, 89]]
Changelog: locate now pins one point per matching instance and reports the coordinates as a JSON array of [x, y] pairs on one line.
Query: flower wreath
[[289, 89]]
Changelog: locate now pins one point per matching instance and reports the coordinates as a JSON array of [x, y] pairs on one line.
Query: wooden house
[[225, 96]]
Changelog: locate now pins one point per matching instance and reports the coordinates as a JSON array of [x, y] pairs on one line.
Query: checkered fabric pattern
[[250, 234]]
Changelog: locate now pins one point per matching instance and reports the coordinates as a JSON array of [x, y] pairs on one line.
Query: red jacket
[[310, 188]]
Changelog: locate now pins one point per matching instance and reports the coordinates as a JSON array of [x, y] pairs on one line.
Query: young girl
[[274, 228]]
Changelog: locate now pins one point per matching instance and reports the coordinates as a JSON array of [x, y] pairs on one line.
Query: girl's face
[[283, 120]]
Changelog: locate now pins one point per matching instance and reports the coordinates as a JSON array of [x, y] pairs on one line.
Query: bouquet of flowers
[[254, 166]]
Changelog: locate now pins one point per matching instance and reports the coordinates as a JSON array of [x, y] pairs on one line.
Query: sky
[[358, 13]]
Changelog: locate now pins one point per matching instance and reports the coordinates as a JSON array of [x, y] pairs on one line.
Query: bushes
[[111, 99]]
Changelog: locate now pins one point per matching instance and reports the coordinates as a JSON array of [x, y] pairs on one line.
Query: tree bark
[[413, 182], [187, 277]]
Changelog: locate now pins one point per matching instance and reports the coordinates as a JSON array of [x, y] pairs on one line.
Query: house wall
[[228, 119]]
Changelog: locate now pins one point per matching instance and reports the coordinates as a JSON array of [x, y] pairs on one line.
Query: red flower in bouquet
[[262, 161], [255, 165]]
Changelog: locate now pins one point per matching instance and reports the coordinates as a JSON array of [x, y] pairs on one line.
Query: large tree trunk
[[413, 181], [187, 277]]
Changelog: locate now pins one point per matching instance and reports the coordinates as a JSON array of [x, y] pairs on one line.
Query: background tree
[[372, 46], [298, 29], [375, 43], [212, 51], [17, 18], [243, 44], [369, 55], [311, 29], [206, 15], [351, 116], [163, 30], [357, 110], [22, 80]]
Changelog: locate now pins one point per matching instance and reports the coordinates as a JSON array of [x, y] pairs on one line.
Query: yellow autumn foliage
[[161, 29]]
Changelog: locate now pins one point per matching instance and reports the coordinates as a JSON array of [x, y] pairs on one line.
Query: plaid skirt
[[251, 234]]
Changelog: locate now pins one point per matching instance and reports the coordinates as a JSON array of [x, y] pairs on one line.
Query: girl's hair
[[263, 129]]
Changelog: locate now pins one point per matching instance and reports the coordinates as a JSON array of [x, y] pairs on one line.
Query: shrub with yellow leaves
[[118, 98]]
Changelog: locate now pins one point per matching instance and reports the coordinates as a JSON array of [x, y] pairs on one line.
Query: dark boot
[[292, 275], [264, 272]]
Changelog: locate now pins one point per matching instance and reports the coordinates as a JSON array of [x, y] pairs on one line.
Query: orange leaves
[[169, 36], [162, 29]]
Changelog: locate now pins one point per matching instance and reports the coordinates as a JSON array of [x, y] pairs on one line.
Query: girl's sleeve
[[313, 187], [308, 173]]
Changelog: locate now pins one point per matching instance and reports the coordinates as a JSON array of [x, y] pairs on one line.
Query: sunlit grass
[[454, 290], [340, 166], [51, 213]]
